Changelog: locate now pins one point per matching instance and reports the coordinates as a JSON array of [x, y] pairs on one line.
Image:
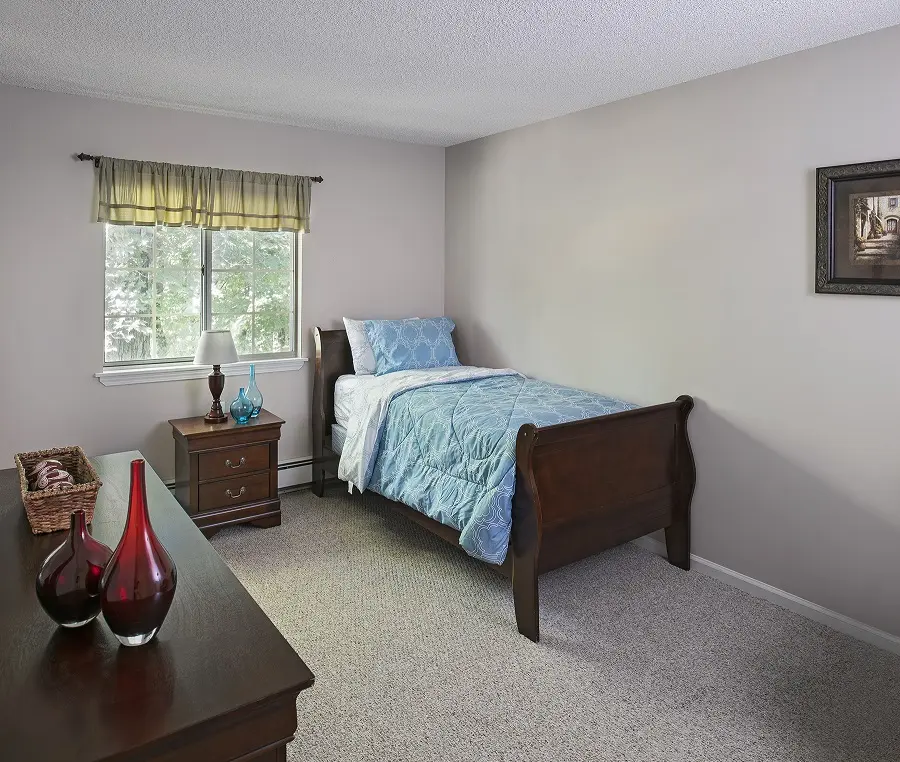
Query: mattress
[[338, 437], [344, 388]]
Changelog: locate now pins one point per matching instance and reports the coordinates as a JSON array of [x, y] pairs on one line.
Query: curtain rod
[[96, 160]]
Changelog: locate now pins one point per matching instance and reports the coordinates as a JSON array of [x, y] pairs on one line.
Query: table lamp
[[216, 348]]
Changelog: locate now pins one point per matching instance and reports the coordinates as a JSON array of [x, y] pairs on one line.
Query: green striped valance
[[153, 193]]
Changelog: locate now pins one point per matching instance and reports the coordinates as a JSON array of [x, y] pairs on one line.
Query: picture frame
[[858, 229]]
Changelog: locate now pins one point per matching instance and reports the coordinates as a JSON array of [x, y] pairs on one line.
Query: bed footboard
[[585, 486]]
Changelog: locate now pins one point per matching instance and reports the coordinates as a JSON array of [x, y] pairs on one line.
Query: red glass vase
[[139, 583], [68, 584]]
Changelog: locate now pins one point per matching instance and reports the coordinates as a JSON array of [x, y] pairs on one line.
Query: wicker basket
[[50, 510]]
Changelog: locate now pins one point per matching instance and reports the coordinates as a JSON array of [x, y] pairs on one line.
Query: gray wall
[[377, 221], [665, 245]]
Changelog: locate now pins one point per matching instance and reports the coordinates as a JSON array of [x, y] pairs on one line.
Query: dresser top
[[195, 427], [77, 694]]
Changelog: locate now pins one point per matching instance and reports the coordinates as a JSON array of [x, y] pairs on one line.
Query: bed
[[574, 489]]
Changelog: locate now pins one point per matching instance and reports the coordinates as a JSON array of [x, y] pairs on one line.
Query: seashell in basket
[[53, 478], [45, 467], [58, 486], [41, 465]]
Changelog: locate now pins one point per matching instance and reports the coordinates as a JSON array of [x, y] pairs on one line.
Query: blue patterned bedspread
[[448, 449]]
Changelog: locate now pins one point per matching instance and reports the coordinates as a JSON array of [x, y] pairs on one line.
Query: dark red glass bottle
[[139, 583], [68, 584]]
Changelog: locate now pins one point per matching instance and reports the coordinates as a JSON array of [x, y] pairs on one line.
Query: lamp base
[[216, 385]]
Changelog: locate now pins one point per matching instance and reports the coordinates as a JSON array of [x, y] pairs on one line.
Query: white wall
[[376, 247], [554, 267]]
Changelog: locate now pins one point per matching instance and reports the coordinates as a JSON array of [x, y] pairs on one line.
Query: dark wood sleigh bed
[[581, 487]]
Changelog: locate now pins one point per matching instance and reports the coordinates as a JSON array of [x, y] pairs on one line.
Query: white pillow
[[360, 348]]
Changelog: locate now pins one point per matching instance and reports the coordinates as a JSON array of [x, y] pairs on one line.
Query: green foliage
[[154, 291], [252, 289]]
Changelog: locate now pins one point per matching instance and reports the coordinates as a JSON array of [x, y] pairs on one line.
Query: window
[[165, 284], [892, 202]]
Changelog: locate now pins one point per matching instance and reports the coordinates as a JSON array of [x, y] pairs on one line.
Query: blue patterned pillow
[[413, 344]]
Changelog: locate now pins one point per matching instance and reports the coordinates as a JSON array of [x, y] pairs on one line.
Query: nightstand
[[227, 473]]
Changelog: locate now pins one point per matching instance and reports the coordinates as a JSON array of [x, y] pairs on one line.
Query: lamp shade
[[215, 348]]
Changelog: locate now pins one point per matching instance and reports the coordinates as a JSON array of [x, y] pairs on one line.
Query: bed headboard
[[333, 359]]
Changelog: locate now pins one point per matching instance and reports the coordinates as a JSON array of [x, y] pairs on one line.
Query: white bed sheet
[[338, 437], [344, 389]]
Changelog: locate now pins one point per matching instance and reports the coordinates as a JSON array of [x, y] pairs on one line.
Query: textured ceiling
[[429, 72]]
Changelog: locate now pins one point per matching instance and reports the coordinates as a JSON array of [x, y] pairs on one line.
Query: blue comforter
[[448, 450]]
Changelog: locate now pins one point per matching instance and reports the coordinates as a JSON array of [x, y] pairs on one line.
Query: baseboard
[[784, 599]]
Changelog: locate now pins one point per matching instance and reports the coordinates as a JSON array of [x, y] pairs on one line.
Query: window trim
[[170, 366], [175, 371]]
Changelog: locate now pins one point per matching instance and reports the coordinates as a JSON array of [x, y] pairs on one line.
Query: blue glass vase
[[241, 408], [254, 394]]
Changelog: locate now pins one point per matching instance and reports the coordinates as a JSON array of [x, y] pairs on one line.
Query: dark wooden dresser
[[219, 683], [227, 473]]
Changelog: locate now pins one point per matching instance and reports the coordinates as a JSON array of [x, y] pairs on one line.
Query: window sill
[[149, 374]]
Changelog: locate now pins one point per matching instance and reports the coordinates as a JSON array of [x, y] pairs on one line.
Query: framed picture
[[858, 229]]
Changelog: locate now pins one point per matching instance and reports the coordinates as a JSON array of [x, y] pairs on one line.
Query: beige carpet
[[417, 657]]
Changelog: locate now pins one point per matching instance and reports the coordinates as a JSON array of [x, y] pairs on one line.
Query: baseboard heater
[[285, 465]]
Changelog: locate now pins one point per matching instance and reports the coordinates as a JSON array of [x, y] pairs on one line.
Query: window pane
[[153, 293], [178, 292], [253, 289], [232, 249], [275, 251], [241, 327], [272, 289], [177, 248], [128, 246], [272, 329], [232, 291], [128, 292], [177, 335], [128, 338]]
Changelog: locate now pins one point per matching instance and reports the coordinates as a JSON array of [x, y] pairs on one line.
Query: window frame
[[206, 269]]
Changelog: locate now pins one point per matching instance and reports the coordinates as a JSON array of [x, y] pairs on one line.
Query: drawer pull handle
[[235, 497], [232, 465]]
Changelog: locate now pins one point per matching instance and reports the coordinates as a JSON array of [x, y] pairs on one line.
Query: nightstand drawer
[[235, 491], [235, 461]]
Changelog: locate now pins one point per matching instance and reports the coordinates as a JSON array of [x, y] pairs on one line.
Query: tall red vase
[[68, 584], [139, 584]]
